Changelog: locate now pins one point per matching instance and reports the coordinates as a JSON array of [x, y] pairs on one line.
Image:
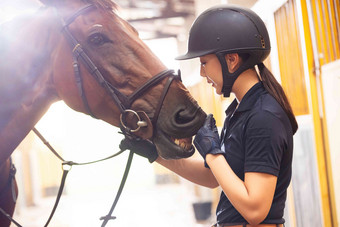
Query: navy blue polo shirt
[[257, 137]]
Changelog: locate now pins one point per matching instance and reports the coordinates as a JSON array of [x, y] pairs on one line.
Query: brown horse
[[37, 68]]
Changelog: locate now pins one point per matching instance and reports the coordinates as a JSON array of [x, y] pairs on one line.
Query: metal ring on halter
[[140, 123]]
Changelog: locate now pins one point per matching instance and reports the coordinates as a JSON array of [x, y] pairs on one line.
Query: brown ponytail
[[275, 89]]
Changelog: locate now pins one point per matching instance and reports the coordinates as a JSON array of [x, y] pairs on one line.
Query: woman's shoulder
[[267, 112]]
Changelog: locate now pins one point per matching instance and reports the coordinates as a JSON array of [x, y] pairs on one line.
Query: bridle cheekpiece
[[122, 101]]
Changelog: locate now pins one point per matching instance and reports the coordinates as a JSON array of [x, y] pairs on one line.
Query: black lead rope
[[9, 217], [108, 217], [47, 144], [60, 192], [67, 166], [66, 171]]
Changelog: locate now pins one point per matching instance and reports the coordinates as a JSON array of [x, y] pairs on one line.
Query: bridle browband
[[122, 101]]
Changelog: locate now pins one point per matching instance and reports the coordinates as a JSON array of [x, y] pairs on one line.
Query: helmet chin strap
[[229, 78]]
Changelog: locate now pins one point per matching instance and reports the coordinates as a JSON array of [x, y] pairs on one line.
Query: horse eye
[[97, 39]]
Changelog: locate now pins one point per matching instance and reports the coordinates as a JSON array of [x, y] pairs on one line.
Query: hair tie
[[261, 66]]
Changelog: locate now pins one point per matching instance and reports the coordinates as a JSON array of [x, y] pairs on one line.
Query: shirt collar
[[248, 99]]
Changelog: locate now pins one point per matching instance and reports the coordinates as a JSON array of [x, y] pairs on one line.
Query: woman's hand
[[207, 139]]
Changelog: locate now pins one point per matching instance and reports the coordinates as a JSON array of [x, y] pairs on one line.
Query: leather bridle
[[122, 101]]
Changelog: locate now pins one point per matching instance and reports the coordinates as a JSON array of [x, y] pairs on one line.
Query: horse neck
[[26, 86]]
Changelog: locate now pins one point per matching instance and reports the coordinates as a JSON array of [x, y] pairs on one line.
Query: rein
[[67, 166], [123, 103]]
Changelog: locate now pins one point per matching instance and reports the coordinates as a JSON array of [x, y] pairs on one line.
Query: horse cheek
[[64, 80]]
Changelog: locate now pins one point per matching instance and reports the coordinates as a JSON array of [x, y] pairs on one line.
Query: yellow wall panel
[[290, 59], [322, 29]]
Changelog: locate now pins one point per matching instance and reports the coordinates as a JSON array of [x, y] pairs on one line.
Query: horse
[[82, 52]]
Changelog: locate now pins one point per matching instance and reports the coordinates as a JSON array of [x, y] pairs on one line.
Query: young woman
[[252, 159]]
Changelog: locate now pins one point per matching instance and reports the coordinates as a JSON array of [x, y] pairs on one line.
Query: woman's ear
[[233, 61]]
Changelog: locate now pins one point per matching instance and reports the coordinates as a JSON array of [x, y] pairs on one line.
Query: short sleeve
[[265, 142]]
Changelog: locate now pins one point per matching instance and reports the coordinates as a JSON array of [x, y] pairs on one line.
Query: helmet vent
[[263, 43]]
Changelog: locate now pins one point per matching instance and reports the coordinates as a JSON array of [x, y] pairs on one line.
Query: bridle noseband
[[122, 101]]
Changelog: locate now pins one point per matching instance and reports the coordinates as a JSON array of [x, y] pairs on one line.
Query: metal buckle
[[140, 123]]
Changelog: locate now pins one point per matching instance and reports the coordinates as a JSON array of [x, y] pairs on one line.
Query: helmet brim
[[185, 57], [196, 54]]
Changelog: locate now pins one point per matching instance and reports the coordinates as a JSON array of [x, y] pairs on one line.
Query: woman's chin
[[218, 91]]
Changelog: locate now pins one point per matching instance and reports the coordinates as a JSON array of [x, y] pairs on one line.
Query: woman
[[251, 161]]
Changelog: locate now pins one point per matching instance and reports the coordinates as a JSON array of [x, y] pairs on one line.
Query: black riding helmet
[[227, 29]]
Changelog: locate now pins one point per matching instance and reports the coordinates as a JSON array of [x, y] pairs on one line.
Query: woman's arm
[[191, 169], [251, 198]]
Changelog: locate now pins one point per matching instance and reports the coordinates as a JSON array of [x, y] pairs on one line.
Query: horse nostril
[[184, 117]]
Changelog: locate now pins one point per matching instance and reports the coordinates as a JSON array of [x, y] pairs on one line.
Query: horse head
[[126, 64]]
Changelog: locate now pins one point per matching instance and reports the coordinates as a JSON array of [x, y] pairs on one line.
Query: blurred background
[[305, 37]]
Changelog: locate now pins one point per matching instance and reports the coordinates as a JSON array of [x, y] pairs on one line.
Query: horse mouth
[[184, 143], [169, 147]]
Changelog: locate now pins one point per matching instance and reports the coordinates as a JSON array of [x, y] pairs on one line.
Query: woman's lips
[[211, 81]]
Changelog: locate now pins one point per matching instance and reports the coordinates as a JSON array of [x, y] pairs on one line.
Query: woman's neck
[[244, 83]]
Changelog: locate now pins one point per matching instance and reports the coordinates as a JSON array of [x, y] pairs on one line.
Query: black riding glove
[[207, 139], [143, 148]]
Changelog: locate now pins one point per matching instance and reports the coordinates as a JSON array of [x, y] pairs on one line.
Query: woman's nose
[[202, 72]]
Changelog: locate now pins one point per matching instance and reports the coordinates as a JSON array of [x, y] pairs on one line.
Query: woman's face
[[211, 69]]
